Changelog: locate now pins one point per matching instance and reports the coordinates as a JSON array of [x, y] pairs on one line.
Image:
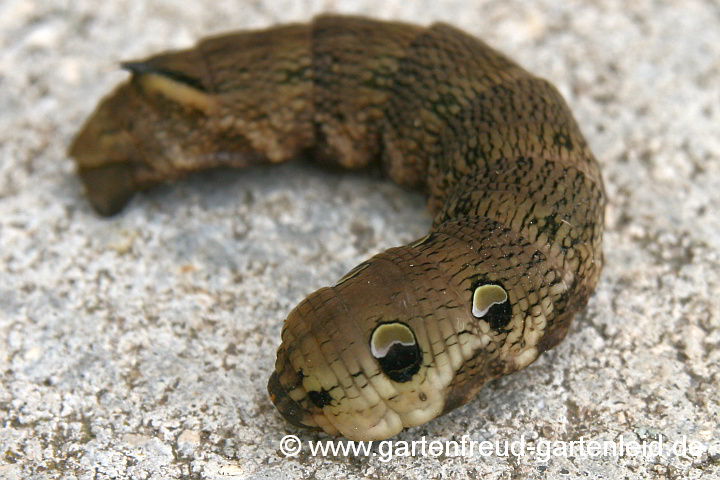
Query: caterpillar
[[515, 247]]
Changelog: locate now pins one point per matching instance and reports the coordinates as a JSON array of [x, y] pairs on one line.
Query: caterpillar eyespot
[[515, 248], [490, 303], [396, 350]]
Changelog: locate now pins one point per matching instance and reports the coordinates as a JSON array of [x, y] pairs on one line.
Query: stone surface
[[139, 347]]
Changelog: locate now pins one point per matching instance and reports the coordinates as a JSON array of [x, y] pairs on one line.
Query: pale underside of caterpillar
[[515, 248]]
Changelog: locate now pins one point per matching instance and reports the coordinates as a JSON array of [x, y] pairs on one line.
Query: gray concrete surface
[[139, 347]]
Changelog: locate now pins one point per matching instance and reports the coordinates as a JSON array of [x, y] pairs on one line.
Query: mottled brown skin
[[517, 194]]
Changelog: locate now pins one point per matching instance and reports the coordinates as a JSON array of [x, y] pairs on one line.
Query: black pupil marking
[[321, 398], [401, 361], [499, 315]]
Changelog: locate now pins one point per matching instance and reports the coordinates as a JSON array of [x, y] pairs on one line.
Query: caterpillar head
[[353, 361], [392, 345]]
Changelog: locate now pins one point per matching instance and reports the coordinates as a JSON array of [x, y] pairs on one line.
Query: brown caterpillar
[[515, 248]]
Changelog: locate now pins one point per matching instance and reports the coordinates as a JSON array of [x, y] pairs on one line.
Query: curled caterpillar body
[[515, 248]]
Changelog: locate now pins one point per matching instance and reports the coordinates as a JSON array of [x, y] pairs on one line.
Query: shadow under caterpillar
[[515, 248]]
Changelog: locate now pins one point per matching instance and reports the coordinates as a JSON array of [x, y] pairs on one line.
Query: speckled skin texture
[[518, 197]]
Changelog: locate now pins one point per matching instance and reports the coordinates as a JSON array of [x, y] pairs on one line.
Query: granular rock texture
[[140, 346]]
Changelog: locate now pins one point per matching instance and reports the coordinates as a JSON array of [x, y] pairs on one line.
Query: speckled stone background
[[139, 347]]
